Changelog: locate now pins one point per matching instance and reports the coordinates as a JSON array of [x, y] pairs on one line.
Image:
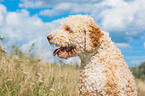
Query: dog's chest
[[92, 78]]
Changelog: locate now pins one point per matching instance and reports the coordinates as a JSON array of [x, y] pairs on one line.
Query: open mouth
[[64, 50]]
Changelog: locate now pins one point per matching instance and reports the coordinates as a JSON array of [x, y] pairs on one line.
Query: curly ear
[[93, 35]]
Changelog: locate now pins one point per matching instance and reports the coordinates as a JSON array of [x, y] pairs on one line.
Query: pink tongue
[[56, 51]]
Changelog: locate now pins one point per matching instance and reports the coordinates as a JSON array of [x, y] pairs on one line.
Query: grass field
[[28, 77]]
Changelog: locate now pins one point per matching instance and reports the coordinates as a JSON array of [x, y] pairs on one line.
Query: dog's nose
[[49, 37]]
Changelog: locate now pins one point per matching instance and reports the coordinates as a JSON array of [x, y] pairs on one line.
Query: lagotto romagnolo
[[103, 71]]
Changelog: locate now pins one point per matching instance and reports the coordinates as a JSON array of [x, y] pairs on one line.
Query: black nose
[[49, 37]]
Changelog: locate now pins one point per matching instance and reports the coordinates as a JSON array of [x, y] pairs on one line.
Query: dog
[[103, 71]]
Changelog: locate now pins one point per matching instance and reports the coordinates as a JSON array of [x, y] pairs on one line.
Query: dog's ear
[[93, 35]]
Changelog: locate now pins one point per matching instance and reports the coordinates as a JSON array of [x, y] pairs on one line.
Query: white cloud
[[63, 6], [136, 62], [112, 16], [135, 57], [33, 4], [116, 16], [59, 9], [3, 13], [123, 45], [21, 28], [50, 3], [120, 15], [82, 8], [67, 7], [48, 12]]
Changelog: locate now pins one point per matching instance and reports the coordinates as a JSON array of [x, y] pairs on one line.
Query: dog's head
[[76, 34]]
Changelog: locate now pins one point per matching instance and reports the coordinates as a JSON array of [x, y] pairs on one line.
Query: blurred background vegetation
[[139, 71], [22, 74]]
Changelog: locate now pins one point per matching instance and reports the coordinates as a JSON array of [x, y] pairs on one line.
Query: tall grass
[[140, 87], [28, 77], [24, 76]]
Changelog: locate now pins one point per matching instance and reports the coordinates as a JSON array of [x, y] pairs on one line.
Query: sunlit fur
[[103, 71]]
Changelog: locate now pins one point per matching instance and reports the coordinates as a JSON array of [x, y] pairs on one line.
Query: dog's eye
[[67, 28]]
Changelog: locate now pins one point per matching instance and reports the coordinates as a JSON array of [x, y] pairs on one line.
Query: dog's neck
[[86, 57]]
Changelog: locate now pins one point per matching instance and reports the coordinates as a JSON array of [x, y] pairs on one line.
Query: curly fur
[[103, 71]]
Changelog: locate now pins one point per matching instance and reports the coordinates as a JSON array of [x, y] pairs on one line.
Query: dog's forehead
[[78, 20]]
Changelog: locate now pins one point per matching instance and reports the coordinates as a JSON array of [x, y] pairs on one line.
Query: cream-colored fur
[[103, 71]]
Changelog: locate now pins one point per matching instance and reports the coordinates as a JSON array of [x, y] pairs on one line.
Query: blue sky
[[23, 22]]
